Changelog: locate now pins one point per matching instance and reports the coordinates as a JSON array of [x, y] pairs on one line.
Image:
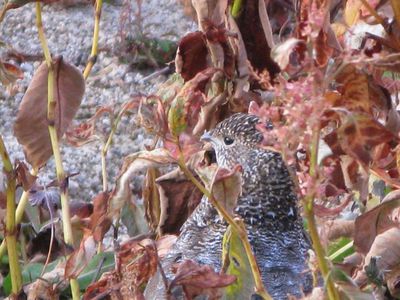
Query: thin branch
[[10, 234]]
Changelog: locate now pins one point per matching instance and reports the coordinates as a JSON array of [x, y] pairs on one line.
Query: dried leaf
[[386, 250], [359, 133], [31, 125], [281, 53], [151, 198], [9, 73], [200, 280], [191, 57], [78, 260], [24, 177], [133, 163], [374, 222], [100, 222], [136, 263], [352, 11], [184, 112], [255, 40], [178, 198]]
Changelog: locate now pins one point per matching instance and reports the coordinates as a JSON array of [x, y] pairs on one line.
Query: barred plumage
[[268, 206]]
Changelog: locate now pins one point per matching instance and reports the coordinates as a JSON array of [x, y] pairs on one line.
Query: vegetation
[[333, 105]]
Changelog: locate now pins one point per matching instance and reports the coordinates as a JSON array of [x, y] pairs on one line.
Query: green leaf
[[176, 116], [30, 273], [340, 249], [105, 260], [235, 262]]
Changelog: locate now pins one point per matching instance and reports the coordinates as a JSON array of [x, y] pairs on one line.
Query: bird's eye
[[228, 140]]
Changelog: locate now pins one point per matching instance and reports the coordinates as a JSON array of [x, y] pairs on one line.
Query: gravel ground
[[69, 33]]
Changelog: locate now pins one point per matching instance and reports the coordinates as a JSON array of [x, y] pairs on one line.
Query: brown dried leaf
[[83, 133], [334, 229], [100, 222], [31, 125], [151, 198], [78, 260], [200, 280], [374, 222], [178, 199], [136, 263], [191, 57], [386, 247], [133, 163], [81, 209], [24, 177]]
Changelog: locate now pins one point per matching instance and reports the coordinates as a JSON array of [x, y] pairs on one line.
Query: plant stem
[[238, 226], [93, 55], [10, 233], [18, 214], [51, 105], [312, 226], [107, 146]]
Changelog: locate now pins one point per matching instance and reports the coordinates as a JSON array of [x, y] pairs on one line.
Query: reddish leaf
[[200, 280], [81, 209], [358, 134], [100, 222], [24, 177], [192, 54], [9, 73], [31, 125]]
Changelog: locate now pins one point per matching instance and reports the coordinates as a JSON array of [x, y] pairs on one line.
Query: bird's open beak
[[206, 137]]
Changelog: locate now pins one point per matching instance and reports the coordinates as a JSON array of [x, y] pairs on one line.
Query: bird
[[268, 205]]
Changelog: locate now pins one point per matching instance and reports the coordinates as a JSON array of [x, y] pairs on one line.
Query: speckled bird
[[268, 206]]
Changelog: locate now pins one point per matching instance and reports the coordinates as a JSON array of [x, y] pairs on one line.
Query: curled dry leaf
[[198, 280], [31, 125], [386, 250], [100, 222], [43, 287], [191, 57], [374, 222], [134, 163], [84, 133], [78, 260], [9, 73], [24, 177], [185, 108], [178, 198], [136, 263], [281, 53], [224, 184]]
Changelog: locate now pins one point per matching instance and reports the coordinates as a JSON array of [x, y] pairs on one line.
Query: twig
[[312, 226], [95, 44], [10, 234], [51, 105], [18, 214]]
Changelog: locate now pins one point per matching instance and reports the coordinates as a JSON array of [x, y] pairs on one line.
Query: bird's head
[[232, 139]]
